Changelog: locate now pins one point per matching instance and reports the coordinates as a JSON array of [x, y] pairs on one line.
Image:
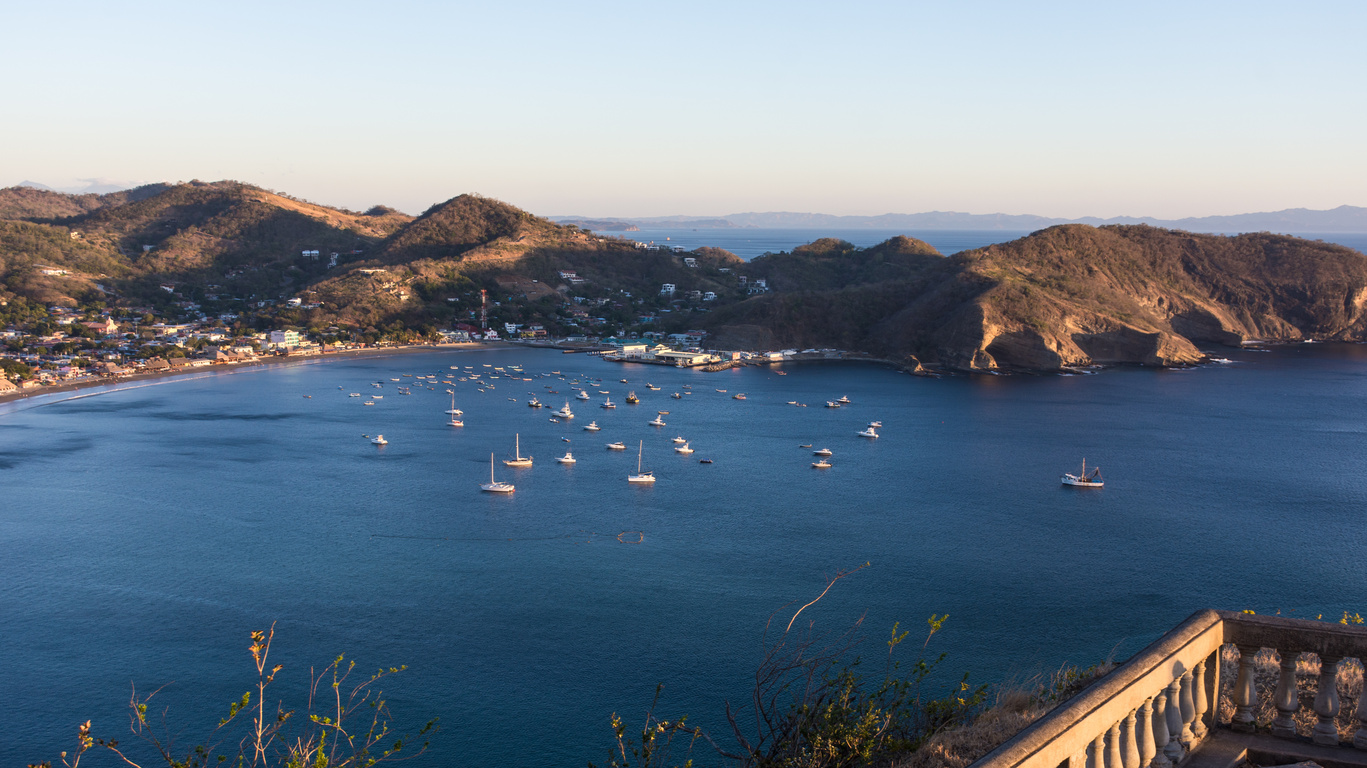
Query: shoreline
[[40, 395]]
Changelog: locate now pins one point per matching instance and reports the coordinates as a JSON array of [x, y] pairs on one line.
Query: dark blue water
[[144, 532], [749, 243]]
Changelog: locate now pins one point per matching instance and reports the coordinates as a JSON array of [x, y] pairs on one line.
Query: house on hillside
[[106, 327], [667, 289]]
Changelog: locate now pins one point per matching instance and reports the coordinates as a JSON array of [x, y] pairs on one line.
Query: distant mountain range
[[1345, 218]]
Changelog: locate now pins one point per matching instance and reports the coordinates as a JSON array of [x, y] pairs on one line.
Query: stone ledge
[[1227, 749]]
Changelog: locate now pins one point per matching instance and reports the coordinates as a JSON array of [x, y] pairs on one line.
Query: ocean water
[[145, 532], [749, 243]]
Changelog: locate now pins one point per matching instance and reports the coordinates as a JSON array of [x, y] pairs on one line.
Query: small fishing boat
[[656, 422], [554, 420], [738, 396], [534, 403], [617, 446], [632, 399], [868, 433], [592, 426], [684, 449], [608, 404], [680, 440], [808, 445], [624, 381], [354, 394], [582, 395], [704, 461], [518, 459], [568, 458], [564, 439], [677, 396], [792, 402], [378, 440], [494, 486], [823, 464], [1084, 479], [877, 424], [832, 404], [722, 391], [368, 402], [641, 476], [843, 400], [377, 397], [651, 386], [822, 452]]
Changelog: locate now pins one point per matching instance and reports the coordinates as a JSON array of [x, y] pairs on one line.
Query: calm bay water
[[144, 532], [749, 243]]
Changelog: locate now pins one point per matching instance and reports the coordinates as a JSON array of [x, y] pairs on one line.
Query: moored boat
[[1084, 479], [494, 486], [518, 459]]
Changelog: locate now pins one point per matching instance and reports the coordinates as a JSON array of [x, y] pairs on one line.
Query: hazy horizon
[[1063, 110]]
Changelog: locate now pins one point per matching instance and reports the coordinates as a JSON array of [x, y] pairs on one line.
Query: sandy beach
[[45, 395]]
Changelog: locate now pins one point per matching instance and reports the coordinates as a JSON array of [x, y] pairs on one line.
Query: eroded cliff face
[[1076, 295]]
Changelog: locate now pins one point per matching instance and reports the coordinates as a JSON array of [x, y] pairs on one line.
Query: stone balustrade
[[1158, 709]]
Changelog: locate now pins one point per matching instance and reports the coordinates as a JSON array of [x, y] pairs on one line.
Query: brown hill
[[46, 205], [1077, 295]]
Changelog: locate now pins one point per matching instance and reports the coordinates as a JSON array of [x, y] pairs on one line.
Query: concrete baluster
[[1078, 760], [1114, 759], [1160, 731], [1327, 703], [1245, 694], [1146, 747], [1130, 745], [1360, 738], [1198, 700], [1096, 753], [1287, 697], [1174, 714], [1188, 737]]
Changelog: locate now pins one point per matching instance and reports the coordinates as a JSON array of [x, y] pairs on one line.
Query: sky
[[702, 108]]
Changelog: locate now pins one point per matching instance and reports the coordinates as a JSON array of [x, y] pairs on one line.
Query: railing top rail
[[1046, 742], [1325, 638]]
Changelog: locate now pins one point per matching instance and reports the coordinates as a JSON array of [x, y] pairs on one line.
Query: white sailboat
[[494, 486], [455, 413], [1084, 479], [641, 477], [518, 459]]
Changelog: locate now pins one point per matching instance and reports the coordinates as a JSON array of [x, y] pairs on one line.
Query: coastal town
[[74, 347]]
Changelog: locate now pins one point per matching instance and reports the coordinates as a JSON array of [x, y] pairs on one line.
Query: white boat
[[832, 404], [641, 477], [684, 449], [1084, 479], [368, 402], [843, 400], [876, 424], [823, 464], [656, 422], [565, 413], [582, 395], [608, 404], [379, 440], [354, 394], [377, 397], [453, 410], [592, 426], [533, 403], [494, 486], [617, 446], [868, 433], [568, 458], [822, 452], [677, 396], [739, 396], [680, 439], [554, 420], [518, 459]]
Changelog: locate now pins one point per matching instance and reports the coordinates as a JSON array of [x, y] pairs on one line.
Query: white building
[[286, 339], [667, 289]]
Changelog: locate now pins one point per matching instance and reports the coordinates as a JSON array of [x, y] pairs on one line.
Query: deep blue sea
[[145, 532], [749, 243]]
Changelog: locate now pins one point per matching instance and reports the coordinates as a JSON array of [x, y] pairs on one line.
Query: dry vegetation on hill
[[1064, 296]]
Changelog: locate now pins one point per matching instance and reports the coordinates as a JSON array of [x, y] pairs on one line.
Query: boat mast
[[639, 449]]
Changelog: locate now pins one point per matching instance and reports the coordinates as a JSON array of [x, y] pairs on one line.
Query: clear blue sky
[[632, 109]]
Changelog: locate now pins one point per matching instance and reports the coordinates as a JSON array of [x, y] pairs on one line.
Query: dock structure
[[664, 357]]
